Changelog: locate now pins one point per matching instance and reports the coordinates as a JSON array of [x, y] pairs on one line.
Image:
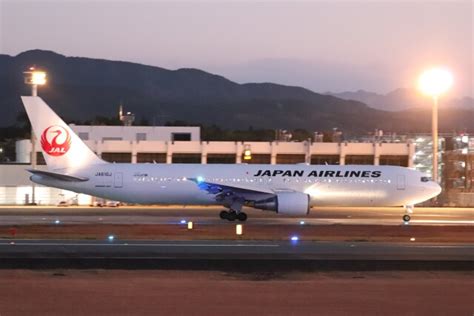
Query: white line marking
[[443, 221], [137, 245], [440, 246]]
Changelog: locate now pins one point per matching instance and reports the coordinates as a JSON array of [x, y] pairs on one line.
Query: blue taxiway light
[[111, 237], [183, 221], [57, 221], [294, 238]]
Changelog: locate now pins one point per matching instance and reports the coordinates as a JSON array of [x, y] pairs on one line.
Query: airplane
[[289, 190]]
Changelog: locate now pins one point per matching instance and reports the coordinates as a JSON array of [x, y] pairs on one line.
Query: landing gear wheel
[[231, 216], [223, 214], [242, 217], [406, 218]]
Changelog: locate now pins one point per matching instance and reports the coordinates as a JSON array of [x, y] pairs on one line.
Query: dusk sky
[[321, 45]]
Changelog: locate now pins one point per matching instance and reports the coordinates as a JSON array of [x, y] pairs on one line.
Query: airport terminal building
[[144, 144], [166, 145]]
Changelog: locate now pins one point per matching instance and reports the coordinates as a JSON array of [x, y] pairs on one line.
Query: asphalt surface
[[146, 254], [238, 249], [210, 216]]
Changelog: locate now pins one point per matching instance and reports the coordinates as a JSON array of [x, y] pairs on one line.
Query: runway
[[210, 216], [233, 250]]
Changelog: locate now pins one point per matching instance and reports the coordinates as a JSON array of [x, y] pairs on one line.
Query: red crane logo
[[55, 140]]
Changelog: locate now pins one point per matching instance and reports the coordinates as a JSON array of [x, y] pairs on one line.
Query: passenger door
[[401, 182], [118, 180]]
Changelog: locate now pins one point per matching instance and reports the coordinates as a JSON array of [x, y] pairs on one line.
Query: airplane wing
[[57, 176], [228, 194]]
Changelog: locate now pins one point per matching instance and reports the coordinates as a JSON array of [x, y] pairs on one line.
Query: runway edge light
[[239, 230]]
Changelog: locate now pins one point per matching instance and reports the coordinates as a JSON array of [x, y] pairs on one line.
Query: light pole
[[34, 78], [434, 137], [434, 82]]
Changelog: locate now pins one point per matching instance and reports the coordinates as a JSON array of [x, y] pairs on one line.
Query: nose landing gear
[[408, 211]]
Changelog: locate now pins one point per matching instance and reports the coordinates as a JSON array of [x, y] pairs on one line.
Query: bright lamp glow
[[435, 81], [247, 154], [38, 77]]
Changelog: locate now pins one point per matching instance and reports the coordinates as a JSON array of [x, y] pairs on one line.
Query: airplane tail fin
[[61, 147]]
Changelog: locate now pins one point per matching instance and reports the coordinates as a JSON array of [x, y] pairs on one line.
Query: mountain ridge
[[401, 99], [81, 88]]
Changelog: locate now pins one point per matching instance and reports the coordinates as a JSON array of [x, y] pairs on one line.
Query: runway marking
[[441, 246], [443, 221], [21, 243], [5, 221], [133, 244]]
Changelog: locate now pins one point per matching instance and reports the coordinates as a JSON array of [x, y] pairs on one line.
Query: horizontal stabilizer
[[57, 176]]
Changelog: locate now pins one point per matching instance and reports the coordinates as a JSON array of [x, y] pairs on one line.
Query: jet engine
[[286, 203]]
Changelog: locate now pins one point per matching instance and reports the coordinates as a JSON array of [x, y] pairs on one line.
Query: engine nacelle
[[286, 203]]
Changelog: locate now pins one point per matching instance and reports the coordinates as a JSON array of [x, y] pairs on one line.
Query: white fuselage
[[285, 189], [327, 185]]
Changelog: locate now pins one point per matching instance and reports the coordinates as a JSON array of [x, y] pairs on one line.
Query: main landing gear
[[233, 215], [408, 211], [234, 203]]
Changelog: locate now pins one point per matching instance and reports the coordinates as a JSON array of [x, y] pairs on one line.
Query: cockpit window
[[425, 179]]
